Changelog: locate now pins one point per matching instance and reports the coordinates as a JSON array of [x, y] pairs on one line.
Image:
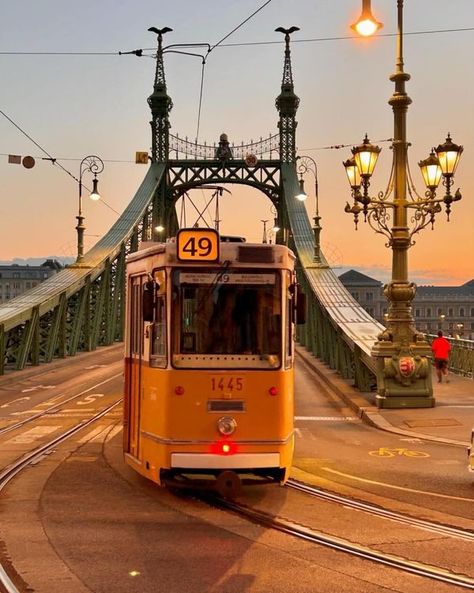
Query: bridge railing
[[461, 357]]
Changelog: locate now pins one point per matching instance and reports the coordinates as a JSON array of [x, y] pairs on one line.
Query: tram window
[[158, 332], [241, 315], [136, 326]]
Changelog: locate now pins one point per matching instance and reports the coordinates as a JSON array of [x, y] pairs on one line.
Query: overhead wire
[[210, 49], [139, 52], [53, 160]]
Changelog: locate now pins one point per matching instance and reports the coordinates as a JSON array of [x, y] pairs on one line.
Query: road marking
[[393, 452], [32, 435], [95, 366], [298, 433], [404, 489], [38, 387], [328, 418], [76, 411], [89, 399], [98, 434], [18, 399], [91, 434], [305, 433]]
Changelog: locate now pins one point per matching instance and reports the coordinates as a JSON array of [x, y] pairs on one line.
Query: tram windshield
[[231, 312]]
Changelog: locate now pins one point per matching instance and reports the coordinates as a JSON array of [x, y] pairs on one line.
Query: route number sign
[[197, 245]]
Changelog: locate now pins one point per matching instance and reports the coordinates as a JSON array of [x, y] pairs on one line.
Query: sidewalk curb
[[358, 403]]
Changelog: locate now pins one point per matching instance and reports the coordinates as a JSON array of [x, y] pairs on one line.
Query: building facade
[[446, 308], [16, 279]]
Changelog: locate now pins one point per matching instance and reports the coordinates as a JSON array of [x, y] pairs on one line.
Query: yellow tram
[[209, 360]]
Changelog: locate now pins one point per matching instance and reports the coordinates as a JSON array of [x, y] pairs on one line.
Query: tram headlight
[[226, 425]]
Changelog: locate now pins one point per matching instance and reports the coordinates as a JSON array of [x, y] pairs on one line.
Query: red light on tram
[[223, 447], [273, 391], [179, 390]]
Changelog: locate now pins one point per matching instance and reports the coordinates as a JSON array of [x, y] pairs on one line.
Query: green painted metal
[[27, 339], [99, 306], [56, 326]]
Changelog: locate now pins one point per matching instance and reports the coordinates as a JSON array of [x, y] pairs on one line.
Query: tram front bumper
[[235, 461]]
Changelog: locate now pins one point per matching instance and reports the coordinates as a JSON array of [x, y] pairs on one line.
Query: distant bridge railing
[[184, 148], [461, 357]]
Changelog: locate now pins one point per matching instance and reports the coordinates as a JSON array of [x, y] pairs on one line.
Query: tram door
[[136, 355]]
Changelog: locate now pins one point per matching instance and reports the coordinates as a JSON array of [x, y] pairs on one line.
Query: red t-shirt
[[441, 348]]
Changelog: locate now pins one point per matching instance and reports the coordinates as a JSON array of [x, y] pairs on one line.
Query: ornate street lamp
[[95, 165], [403, 370], [305, 164]]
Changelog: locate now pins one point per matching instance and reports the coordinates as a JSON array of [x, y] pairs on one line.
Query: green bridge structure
[[82, 307]]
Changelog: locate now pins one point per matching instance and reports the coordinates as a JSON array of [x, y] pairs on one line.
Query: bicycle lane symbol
[[387, 452]]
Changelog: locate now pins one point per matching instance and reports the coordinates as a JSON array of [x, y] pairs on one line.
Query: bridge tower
[[287, 104]]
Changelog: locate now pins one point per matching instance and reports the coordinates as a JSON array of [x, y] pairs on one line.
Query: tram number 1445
[[225, 384]]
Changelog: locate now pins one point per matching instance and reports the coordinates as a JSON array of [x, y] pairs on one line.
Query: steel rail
[[55, 407], [448, 530], [12, 470], [339, 544], [9, 472]]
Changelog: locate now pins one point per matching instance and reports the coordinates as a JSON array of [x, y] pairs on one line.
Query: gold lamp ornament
[[366, 25]]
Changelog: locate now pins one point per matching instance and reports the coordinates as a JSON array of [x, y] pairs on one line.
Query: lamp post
[[95, 165], [264, 238], [305, 164], [403, 372]]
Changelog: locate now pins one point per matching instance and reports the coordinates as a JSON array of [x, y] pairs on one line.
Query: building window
[[428, 312], [450, 312], [369, 296], [440, 311], [461, 312], [355, 295], [417, 313]]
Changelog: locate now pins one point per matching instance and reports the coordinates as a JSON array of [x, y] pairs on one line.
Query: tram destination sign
[[206, 278], [200, 245]]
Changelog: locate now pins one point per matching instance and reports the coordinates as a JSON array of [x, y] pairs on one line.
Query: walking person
[[441, 349]]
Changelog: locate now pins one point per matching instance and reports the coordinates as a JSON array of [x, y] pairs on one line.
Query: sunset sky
[[76, 105]]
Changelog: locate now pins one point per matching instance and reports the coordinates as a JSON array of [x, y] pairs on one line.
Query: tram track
[[311, 535], [8, 473], [372, 509], [56, 407], [13, 469]]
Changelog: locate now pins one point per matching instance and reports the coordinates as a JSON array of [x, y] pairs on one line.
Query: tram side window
[[289, 325], [136, 320], [158, 333]]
